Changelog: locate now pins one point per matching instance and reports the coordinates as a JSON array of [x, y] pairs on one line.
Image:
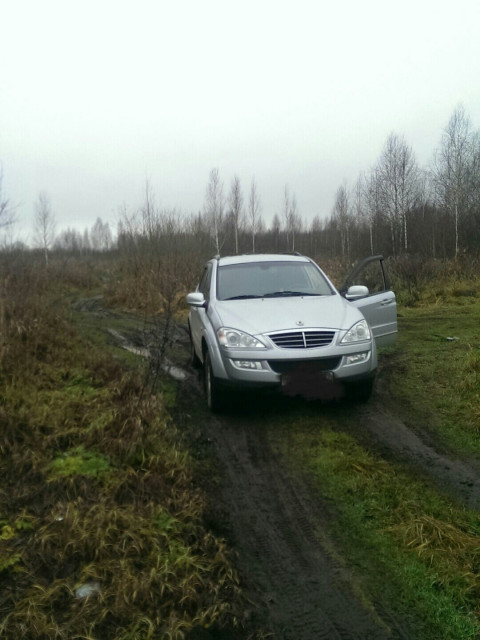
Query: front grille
[[319, 364], [302, 339]]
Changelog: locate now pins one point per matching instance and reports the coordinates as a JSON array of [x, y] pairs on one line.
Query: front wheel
[[213, 393]]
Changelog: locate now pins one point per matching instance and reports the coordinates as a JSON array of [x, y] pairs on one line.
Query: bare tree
[[149, 212], [6, 208], [44, 223], [454, 168], [474, 199], [254, 212], [153, 245], [86, 244], [292, 220], [286, 215], [398, 176], [295, 221], [100, 236], [214, 209], [372, 204], [235, 201], [275, 230], [316, 228], [69, 240], [341, 212]]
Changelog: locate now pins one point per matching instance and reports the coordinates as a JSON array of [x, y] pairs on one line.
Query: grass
[[416, 551], [78, 462], [94, 322], [97, 488], [434, 372]]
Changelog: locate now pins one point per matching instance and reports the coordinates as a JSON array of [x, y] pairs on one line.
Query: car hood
[[266, 315]]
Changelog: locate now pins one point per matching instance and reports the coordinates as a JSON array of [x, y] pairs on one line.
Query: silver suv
[[259, 321]]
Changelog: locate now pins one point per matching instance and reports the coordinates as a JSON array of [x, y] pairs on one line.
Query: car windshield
[[270, 280]]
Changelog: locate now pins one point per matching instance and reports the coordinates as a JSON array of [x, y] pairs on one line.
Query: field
[[127, 511]]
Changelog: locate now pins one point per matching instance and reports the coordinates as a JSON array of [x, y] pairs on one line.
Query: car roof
[[261, 257]]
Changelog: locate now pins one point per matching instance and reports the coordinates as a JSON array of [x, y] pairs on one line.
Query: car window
[[204, 286], [270, 279]]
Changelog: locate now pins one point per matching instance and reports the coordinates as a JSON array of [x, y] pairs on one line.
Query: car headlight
[[359, 332], [238, 339]]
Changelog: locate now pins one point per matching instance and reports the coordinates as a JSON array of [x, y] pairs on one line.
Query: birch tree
[[454, 169], [295, 222], [286, 215], [372, 204], [254, 211], [214, 209], [101, 235], [292, 220], [276, 230], [235, 201], [397, 175], [44, 224], [341, 212]]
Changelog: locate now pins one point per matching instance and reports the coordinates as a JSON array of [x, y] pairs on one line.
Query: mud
[[304, 589], [301, 588], [458, 477]]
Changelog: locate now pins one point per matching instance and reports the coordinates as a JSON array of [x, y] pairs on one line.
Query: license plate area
[[308, 381]]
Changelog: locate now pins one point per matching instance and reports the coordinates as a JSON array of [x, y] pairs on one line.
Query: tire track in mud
[[307, 593], [457, 477]]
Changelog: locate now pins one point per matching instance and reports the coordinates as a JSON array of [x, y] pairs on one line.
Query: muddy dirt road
[[278, 529]]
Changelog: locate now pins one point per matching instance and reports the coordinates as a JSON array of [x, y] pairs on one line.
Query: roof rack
[[280, 253]]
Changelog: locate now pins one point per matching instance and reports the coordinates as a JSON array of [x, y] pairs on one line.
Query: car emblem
[[299, 323]]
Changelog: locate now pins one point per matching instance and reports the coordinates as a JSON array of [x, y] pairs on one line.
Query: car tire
[[195, 361], [359, 391], [213, 393]]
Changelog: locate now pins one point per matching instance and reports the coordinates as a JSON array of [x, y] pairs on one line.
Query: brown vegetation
[[97, 491]]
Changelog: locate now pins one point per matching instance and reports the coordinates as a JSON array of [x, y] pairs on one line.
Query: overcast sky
[[97, 96]]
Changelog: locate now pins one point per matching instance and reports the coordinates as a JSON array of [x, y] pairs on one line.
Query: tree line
[[401, 208], [397, 208], [98, 237]]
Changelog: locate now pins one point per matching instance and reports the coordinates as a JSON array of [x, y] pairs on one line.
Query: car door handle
[[386, 301]]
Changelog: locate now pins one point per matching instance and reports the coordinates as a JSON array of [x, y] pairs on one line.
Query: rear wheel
[[213, 393]]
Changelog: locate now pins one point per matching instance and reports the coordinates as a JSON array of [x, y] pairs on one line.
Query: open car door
[[378, 305]]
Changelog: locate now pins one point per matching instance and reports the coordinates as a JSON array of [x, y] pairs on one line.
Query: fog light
[[247, 364], [356, 358]]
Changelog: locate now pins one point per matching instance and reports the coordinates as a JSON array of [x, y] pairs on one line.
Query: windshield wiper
[[280, 294], [242, 297]]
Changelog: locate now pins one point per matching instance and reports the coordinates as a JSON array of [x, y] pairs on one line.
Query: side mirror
[[356, 291], [196, 299]]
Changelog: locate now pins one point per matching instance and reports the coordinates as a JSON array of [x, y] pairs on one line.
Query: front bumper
[[270, 367]]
